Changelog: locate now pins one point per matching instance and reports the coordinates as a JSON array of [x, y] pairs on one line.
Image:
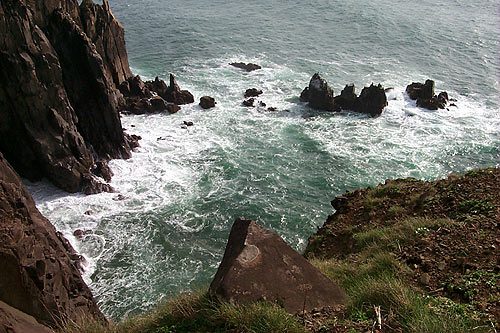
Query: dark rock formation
[[177, 96], [417, 90], [249, 102], [318, 94], [58, 101], [140, 99], [15, 321], [372, 100], [425, 96], [39, 268], [173, 108], [259, 265], [207, 102], [158, 104], [248, 67], [347, 98], [252, 92], [108, 36]]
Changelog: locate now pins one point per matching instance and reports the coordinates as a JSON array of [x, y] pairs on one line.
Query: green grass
[[374, 277], [200, 312]]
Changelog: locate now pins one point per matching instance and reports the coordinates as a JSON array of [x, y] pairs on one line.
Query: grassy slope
[[427, 254]]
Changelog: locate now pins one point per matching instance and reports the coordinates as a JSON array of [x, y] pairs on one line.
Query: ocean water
[[183, 188]]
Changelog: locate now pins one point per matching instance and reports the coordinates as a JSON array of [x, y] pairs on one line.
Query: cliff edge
[[60, 66]]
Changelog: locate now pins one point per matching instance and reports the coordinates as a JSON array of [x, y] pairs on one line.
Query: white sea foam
[[184, 186]]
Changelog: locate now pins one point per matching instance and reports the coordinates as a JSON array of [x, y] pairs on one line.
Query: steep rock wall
[[39, 268]]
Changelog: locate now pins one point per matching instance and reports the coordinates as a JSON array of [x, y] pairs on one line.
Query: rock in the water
[[103, 170], [259, 265], [173, 108], [158, 104], [207, 102], [248, 67], [39, 276], [417, 90], [252, 92], [424, 94], [249, 102], [177, 96], [188, 123], [372, 100], [15, 321], [347, 98], [318, 94]]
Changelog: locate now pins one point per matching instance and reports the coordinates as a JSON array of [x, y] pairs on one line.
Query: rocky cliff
[[60, 66], [40, 275]]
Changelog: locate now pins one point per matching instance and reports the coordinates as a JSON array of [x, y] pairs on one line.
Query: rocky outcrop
[[152, 96], [247, 67], [424, 94], [39, 268], [372, 99], [15, 321], [58, 101], [207, 102], [259, 265], [108, 36], [318, 94], [253, 92]]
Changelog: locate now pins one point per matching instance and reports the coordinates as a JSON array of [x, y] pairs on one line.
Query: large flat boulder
[[259, 265]]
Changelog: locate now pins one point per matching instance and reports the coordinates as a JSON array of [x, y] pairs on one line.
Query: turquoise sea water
[[183, 192]]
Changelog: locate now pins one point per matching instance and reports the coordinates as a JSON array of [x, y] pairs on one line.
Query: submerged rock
[[207, 102], [259, 265], [248, 67]]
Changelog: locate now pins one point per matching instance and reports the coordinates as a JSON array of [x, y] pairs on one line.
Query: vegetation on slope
[[413, 256]]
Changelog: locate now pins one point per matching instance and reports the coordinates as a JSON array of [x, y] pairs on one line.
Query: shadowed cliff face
[[39, 268], [58, 90]]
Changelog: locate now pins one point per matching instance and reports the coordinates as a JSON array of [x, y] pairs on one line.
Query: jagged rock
[[138, 105], [55, 93], [15, 321], [249, 102], [137, 88], [252, 92], [417, 90], [347, 98], [207, 102], [259, 265], [103, 170], [248, 67], [372, 100], [188, 123], [158, 104], [177, 96], [108, 36], [424, 94], [39, 276], [318, 94]]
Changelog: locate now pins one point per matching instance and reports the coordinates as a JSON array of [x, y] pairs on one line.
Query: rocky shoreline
[[64, 80]]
